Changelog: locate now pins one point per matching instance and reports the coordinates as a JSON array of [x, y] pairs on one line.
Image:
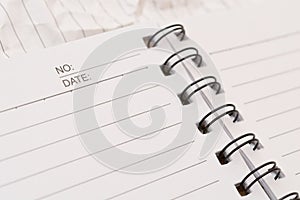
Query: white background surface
[[26, 25]]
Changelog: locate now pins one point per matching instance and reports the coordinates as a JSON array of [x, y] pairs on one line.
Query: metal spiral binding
[[245, 189], [203, 126], [178, 29], [196, 57], [291, 196], [224, 157]]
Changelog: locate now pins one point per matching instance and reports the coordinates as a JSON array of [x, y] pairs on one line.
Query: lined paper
[[42, 147], [257, 57], [30, 25]]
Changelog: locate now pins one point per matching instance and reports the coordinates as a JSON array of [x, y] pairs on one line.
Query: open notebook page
[[43, 155], [256, 52]]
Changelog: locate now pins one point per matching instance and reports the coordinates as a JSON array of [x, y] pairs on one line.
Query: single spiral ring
[[203, 126], [197, 59], [173, 28], [292, 196], [213, 84], [245, 189], [224, 158]]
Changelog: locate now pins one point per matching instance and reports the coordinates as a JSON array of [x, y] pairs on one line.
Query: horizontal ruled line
[[86, 156], [100, 65], [195, 190], [291, 153], [68, 91], [261, 59], [277, 114], [273, 95], [156, 180], [79, 134], [266, 77], [285, 133], [71, 113], [110, 172], [278, 37]]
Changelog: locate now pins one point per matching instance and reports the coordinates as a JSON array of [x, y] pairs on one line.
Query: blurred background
[[30, 24]]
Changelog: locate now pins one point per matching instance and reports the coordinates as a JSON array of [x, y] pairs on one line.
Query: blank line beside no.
[[68, 91], [100, 65]]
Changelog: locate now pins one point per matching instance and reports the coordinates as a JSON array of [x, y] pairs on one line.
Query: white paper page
[[43, 157], [27, 25], [257, 56]]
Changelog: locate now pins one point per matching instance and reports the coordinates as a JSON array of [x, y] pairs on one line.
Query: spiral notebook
[[259, 68], [135, 113]]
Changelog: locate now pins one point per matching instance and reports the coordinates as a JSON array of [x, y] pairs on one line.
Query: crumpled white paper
[[26, 25]]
